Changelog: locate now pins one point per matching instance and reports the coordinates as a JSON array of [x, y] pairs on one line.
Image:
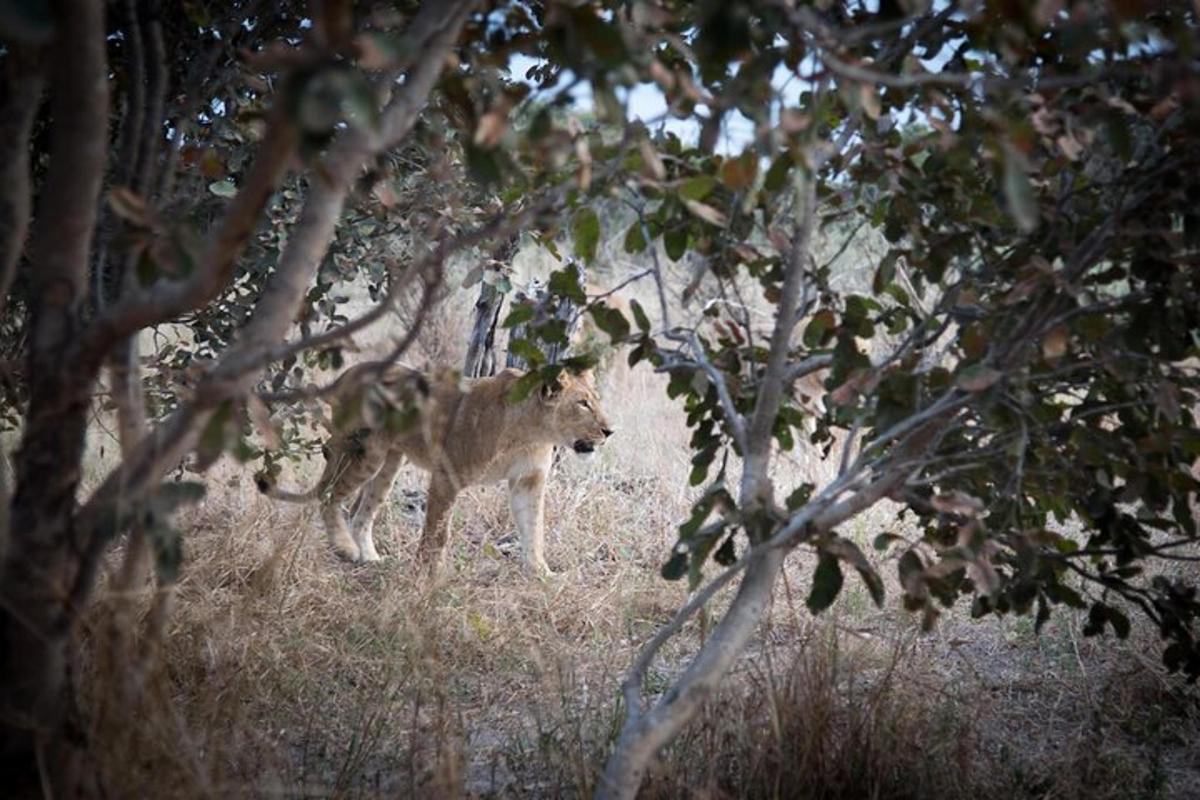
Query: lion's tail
[[268, 487]]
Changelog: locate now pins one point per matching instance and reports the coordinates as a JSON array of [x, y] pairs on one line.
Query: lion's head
[[576, 419]]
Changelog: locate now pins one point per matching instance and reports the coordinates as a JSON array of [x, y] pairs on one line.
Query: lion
[[466, 433]]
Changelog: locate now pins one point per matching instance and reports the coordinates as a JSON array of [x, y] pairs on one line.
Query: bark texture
[[42, 544], [56, 546]]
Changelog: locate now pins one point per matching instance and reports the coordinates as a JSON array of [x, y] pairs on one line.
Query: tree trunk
[[640, 741], [23, 92], [481, 348], [37, 745]]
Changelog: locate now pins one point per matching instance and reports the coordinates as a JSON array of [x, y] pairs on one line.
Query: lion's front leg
[[432, 549], [527, 497]]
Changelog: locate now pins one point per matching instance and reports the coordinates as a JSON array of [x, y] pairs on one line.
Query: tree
[[331, 101], [1025, 355]]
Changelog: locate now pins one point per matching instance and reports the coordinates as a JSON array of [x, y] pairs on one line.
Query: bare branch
[[807, 366], [755, 483], [736, 422], [151, 139], [497, 226]]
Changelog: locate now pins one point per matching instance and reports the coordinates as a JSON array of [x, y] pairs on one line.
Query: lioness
[[466, 434]]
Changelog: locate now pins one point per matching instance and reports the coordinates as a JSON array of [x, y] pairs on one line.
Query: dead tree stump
[[493, 286]]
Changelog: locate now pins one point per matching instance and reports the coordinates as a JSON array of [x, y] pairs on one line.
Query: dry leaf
[[978, 378], [706, 213], [1168, 401], [584, 175], [385, 194], [868, 98], [959, 503], [492, 126], [652, 163], [794, 121], [1070, 146], [473, 276], [1054, 346], [662, 76]]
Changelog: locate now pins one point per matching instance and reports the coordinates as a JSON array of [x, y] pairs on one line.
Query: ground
[[284, 672]]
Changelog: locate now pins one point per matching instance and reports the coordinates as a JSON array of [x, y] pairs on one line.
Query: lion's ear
[[552, 389]]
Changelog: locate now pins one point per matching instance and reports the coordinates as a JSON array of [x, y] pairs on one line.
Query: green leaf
[[639, 316], [777, 173], [885, 273], [223, 188], [820, 329], [635, 239], [359, 105], [799, 496], [883, 540], [523, 387], [483, 165], [1119, 622], [827, 582], [519, 315], [675, 242], [527, 351], [726, 554], [585, 228], [697, 188], [218, 434], [167, 543], [676, 566], [610, 321], [565, 283]]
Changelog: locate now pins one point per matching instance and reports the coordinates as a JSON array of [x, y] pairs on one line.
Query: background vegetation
[[891, 300]]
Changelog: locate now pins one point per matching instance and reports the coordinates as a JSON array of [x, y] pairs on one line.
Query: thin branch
[[807, 366], [498, 226], [736, 422]]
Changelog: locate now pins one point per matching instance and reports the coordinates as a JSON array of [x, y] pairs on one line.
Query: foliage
[[1032, 167], [1024, 362]]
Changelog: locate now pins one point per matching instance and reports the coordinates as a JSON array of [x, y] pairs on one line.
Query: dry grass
[[284, 672]]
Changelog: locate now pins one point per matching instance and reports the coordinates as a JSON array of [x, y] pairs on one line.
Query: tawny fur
[[466, 434]]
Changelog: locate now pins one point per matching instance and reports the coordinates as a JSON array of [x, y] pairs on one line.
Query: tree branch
[[234, 374]]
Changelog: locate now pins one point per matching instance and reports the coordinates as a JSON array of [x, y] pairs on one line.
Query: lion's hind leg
[[357, 462], [371, 500]]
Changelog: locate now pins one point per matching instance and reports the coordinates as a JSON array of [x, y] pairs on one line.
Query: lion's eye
[[585, 404]]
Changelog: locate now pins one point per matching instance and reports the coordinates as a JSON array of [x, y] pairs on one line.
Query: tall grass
[[285, 673]]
